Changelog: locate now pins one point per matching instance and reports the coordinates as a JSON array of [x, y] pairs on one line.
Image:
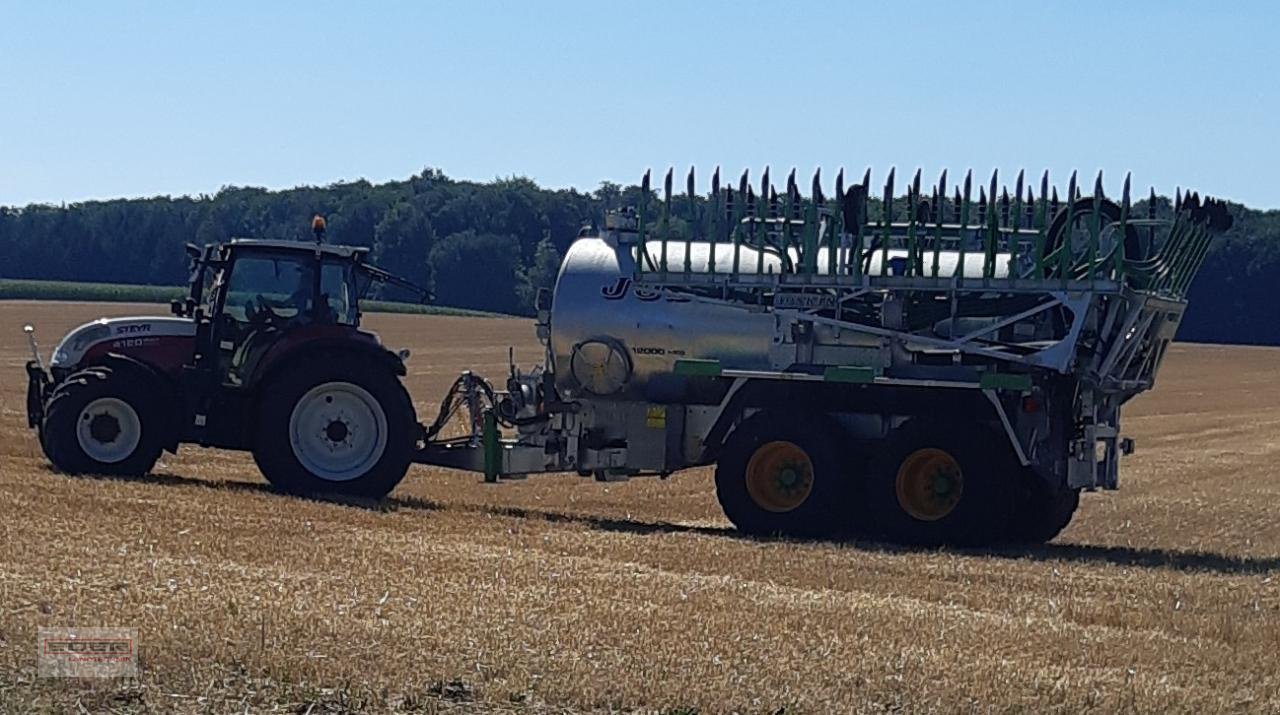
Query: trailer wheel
[[783, 477], [335, 425], [935, 484], [1041, 512], [102, 421]]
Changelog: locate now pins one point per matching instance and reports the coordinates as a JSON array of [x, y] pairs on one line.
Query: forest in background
[[489, 245]]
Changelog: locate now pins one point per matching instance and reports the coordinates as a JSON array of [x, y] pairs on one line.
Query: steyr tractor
[[265, 354]]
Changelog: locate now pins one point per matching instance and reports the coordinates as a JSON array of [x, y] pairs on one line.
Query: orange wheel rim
[[929, 484], [779, 476]]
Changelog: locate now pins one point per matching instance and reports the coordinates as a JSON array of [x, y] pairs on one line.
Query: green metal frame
[[1089, 249]]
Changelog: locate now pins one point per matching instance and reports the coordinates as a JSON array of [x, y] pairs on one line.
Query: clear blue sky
[[102, 100]]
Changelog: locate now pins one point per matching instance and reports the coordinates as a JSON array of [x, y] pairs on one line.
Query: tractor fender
[[308, 349], [167, 391]]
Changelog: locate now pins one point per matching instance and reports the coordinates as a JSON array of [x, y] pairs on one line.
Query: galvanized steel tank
[[621, 336], [609, 337]]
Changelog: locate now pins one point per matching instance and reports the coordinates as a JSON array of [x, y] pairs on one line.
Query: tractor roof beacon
[[939, 369]]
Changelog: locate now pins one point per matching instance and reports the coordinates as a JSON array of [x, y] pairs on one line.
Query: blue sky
[[101, 100]]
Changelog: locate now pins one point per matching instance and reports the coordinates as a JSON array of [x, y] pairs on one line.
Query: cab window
[[281, 285], [338, 292], [279, 290]]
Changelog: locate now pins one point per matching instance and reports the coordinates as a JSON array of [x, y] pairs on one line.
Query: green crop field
[[11, 289]]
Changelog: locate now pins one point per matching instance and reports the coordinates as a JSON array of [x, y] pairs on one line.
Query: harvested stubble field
[[559, 594]]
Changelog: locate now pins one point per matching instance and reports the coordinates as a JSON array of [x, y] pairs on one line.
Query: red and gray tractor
[[265, 354]]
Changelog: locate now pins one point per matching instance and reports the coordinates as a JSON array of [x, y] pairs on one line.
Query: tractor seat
[[245, 360]]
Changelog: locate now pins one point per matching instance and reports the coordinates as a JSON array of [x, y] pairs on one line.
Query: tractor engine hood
[[73, 347]]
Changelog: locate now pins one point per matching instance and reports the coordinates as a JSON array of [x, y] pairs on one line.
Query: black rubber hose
[[1083, 208]]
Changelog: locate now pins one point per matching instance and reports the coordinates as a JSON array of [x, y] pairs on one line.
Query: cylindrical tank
[[609, 337]]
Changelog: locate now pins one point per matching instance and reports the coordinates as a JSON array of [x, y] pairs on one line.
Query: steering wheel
[[262, 313]]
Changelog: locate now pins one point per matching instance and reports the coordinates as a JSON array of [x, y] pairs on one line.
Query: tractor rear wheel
[[336, 424], [102, 421], [933, 484], [784, 476], [1041, 512]]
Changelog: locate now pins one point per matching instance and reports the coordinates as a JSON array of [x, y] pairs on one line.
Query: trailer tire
[[936, 484], [1041, 512], [101, 420], [335, 424], [783, 476]]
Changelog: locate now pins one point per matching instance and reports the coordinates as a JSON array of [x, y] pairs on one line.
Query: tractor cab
[[253, 300], [260, 306], [264, 296]]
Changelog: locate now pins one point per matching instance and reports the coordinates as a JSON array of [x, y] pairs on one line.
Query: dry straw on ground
[[563, 595]]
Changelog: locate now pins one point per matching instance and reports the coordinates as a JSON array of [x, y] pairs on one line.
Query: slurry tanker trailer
[[931, 368]]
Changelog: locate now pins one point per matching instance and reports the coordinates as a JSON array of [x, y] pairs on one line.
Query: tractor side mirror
[[542, 301]]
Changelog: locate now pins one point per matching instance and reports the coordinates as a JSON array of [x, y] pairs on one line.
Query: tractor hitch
[[38, 383]]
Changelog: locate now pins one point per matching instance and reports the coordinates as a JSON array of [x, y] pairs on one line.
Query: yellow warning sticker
[[656, 417]]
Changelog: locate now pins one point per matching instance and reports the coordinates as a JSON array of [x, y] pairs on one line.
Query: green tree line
[[487, 245]]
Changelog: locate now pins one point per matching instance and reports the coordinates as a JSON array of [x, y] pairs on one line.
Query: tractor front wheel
[[335, 425], [102, 421]]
